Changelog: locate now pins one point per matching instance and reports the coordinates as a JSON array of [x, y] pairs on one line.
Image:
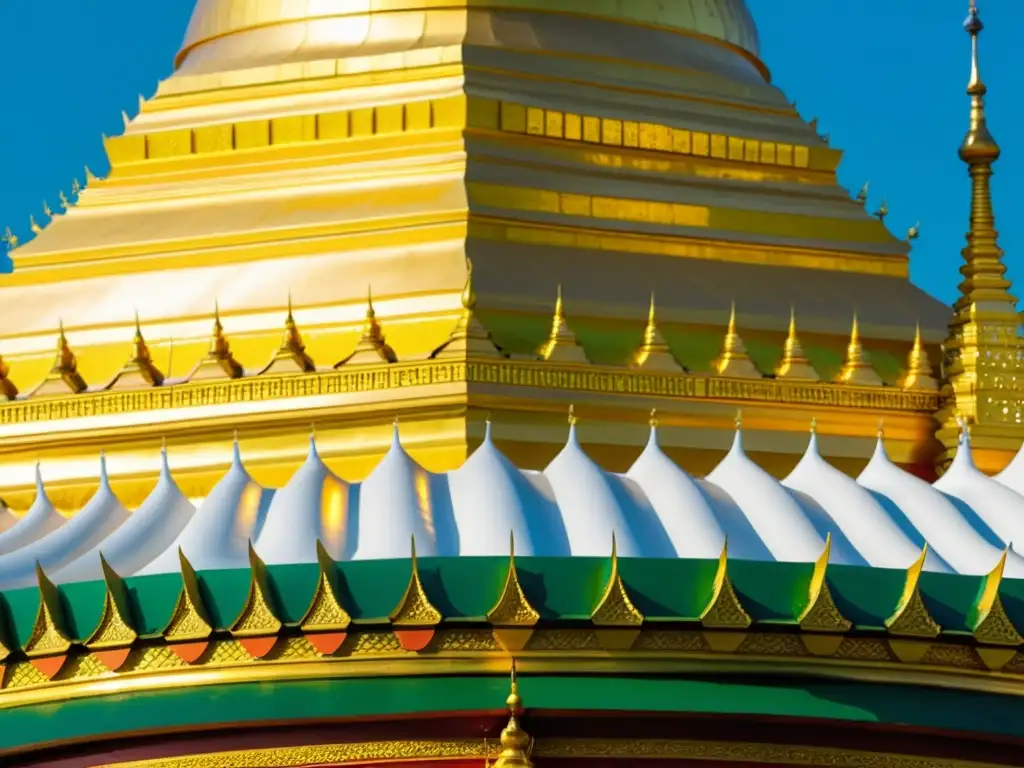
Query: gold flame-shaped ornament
[[372, 347], [919, 367], [857, 368], [654, 353], [561, 345], [734, 361], [794, 365]]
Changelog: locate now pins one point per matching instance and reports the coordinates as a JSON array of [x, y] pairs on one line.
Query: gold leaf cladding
[[822, 614], [724, 610], [415, 608], [615, 609], [47, 639], [257, 618], [960, 656], [83, 667], [188, 621], [23, 674], [513, 609], [990, 623], [325, 611], [911, 617], [113, 631]]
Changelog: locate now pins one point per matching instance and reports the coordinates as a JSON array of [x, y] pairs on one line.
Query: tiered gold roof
[[298, 150]]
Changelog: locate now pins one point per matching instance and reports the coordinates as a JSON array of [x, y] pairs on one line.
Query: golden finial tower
[[63, 376], [983, 371], [219, 361], [919, 367], [140, 370], [291, 357], [516, 744]]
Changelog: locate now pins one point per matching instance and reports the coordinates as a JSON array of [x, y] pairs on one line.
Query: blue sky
[[885, 80]]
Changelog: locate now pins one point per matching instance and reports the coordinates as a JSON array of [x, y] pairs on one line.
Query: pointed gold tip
[[572, 415], [739, 418], [653, 420]]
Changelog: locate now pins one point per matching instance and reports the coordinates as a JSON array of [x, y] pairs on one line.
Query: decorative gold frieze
[[517, 373]]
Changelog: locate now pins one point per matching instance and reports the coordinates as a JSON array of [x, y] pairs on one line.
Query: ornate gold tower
[[300, 149], [984, 351]]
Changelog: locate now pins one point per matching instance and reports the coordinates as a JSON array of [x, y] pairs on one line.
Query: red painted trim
[[50, 665], [326, 643], [258, 647], [414, 639], [113, 659], [189, 652]]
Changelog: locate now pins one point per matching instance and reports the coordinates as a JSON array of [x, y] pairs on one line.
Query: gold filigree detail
[[671, 641], [772, 644], [189, 619], [47, 638], [615, 609], [23, 674], [989, 621], [257, 618], [945, 655], [474, 640], [513, 609], [911, 617], [325, 611], [594, 749], [415, 608], [294, 648], [114, 629], [370, 643], [822, 614], [83, 666], [563, 640], [724, 610], [864, 649], [226, 652], [153, 658]]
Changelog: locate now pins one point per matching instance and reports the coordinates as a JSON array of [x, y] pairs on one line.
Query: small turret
[[561, 345], [734, 360], [372, 346], [654, 354], [857, 368], [291, 357]]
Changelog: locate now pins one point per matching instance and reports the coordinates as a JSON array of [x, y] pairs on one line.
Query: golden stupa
[[467, 163]]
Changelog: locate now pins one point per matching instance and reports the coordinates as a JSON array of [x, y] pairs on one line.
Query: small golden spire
[[516, 744], [64, 202], [572, 415], [734, 361], [654, 354], [372, 346], [561, 345], [914, 232], [8, 391], [653, 422], [794, 364], [76, 188], [140, 370], [469, 338], [63, 376], [291, 356], [90, 177], [739, 419], [919, 367], [9, 239], [857, 368], [36, 229], [219, 361], [883, 211]]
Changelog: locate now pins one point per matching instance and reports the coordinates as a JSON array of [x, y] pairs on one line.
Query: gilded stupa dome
[[230, 35]]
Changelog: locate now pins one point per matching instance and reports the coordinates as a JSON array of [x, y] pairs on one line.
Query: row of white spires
[[883, 518]]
